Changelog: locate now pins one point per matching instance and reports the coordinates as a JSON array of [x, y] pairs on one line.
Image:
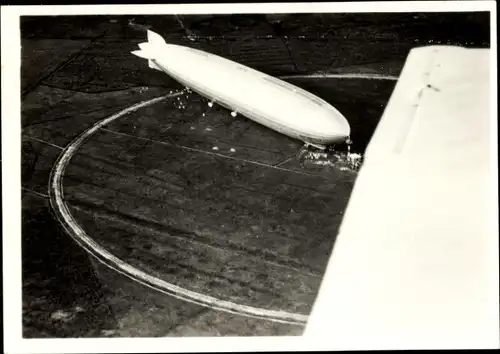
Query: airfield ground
[[192, 196]]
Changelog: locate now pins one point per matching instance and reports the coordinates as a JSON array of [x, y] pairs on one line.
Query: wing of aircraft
[[415, 264]]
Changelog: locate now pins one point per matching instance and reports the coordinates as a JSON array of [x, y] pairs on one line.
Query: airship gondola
[[262, 98]]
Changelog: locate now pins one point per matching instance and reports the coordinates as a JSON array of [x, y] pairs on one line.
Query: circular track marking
[[72, 227]]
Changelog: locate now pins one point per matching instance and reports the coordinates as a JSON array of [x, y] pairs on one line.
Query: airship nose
[[335, 127]]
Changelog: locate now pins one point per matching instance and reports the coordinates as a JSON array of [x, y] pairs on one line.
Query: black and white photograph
[[250, 171]]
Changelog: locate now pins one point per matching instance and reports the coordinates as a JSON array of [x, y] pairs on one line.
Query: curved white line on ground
[[64, 216], [342, 76]]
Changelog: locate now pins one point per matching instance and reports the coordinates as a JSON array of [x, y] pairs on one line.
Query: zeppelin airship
[[262, 98]]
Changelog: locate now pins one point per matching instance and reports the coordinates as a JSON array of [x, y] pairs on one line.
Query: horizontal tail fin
[[140, 54]]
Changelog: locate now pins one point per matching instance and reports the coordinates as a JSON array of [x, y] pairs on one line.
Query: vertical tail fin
[[155, 38]]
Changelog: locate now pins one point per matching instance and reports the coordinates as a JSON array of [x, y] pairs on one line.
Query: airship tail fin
[[145, 46], [143, 54], [152, 65], [155, 38], [140, 54], [148, 48]]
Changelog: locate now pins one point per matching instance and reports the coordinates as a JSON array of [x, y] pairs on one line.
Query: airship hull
[[262, 98]]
